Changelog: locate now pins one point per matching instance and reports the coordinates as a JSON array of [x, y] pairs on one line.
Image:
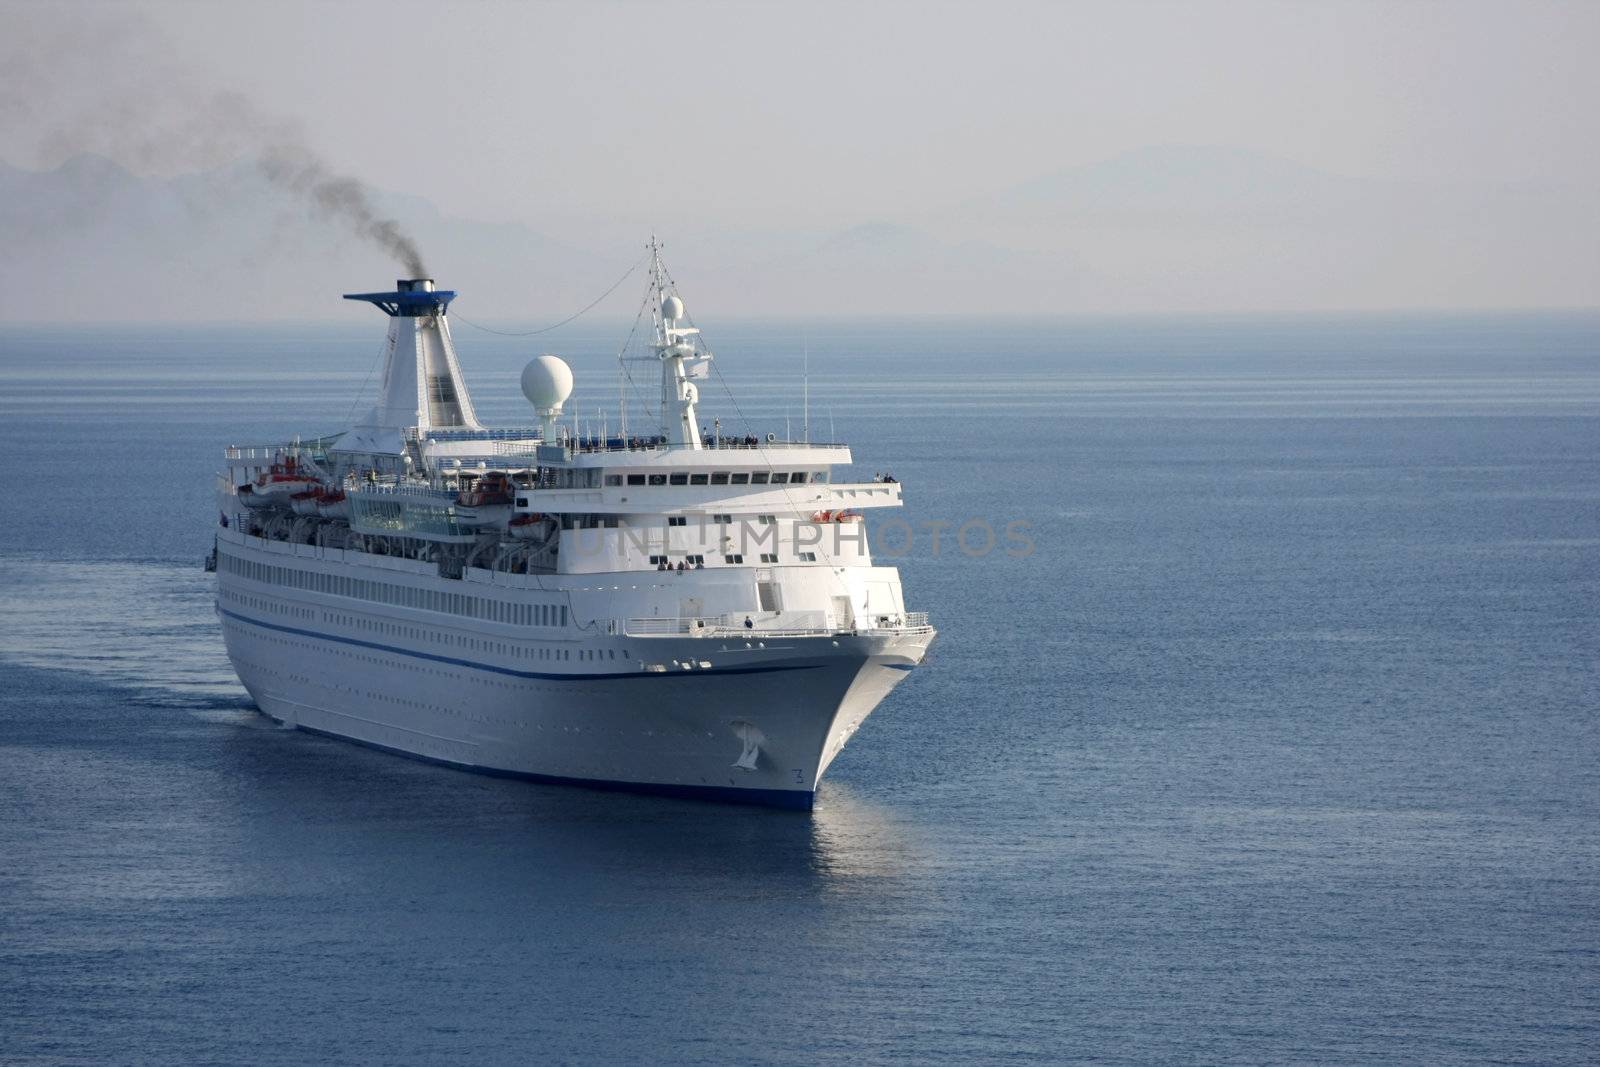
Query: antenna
[[622, 398], [805, 377]]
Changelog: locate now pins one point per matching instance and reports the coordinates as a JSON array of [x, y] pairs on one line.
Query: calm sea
[[1280, 746]]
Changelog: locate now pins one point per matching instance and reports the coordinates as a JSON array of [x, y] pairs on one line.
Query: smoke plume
[[296, 169], [88, 85]]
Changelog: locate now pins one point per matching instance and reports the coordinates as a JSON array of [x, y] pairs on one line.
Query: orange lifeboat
[[305, 501], [493, 488], [487, 503], [333, 504], [283, 479], [526, 526]]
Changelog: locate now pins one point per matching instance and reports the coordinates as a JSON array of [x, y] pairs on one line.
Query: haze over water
[[1280, 746]]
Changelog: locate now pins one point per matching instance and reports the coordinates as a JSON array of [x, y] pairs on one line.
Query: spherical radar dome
[[547, 382], [672, 309]]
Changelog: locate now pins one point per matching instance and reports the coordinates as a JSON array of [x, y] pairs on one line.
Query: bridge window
[[808, 557], [719, 477], [780, 477], [679, 479], [677, 520], [697, 479], [613, 479], [658, 479], [741, 478], [797, 478], [734, 557], [758, 478], [635, 479]]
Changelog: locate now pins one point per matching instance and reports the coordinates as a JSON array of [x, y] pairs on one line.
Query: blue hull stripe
[[697, 672], [792, 799]]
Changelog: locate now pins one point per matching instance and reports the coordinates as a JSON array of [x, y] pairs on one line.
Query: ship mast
[[675, 346]]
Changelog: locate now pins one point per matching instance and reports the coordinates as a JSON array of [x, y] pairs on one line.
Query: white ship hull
[[667, 612], [755, 721]]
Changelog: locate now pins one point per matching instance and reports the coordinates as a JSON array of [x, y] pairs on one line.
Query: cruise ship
[[680, 611]]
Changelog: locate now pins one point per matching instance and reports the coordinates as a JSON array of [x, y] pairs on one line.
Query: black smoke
[[295, 169], [99, 84]]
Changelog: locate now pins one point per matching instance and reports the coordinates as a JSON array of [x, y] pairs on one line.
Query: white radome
[[547, 382], [672, 309]]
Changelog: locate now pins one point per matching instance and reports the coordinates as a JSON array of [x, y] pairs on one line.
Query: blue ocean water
[[1280, 745]]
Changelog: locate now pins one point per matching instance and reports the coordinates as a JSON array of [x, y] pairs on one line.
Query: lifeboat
[[305, 501], [487, 503], [527, 526], [284, 479], [333, 504], [252, 499], [493, 488]]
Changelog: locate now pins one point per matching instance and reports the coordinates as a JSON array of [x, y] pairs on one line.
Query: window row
[[731, 558], [586, 521], [719, 478], [475, 607]]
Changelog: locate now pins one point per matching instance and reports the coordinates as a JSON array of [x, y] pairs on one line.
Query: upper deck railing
[[589, 445], [502, 442], [264, 454]]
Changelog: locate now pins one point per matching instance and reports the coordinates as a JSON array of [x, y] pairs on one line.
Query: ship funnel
[[411, 297], [422, 384]]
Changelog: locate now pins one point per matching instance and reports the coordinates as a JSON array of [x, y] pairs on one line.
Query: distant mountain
[[91, 239], [1197, 227], [1159, 229], [1181, 179]]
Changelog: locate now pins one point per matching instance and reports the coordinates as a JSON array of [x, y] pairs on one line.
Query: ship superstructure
[[682, 611]]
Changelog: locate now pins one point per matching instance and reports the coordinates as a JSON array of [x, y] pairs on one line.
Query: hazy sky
[[814, 115], [751, 111]]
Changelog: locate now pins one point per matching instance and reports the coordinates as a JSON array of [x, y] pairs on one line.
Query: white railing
[[662, 627], [914, 622]]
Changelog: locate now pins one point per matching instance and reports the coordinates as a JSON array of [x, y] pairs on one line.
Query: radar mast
[[681, 355]]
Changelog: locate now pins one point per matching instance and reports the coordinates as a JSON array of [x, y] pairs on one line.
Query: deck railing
[[914, 622]]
